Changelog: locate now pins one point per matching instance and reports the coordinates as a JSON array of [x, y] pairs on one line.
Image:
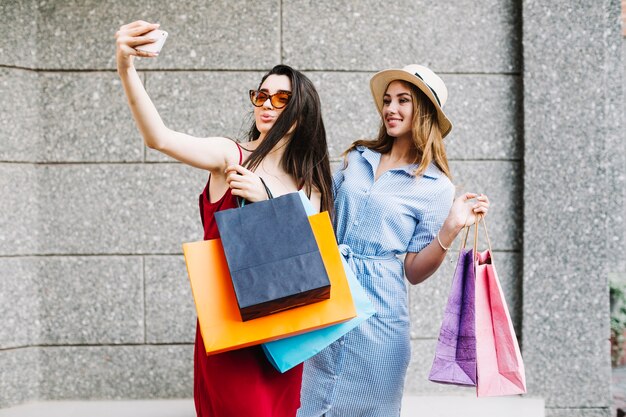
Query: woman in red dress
[[287, 149]]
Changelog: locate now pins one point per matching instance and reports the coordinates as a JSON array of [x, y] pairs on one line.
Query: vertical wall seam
[[522, 154], [280, 31], [143, 293], [40, 383], [144, 151]]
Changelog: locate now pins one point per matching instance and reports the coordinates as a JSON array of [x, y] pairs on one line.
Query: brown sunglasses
[[278, 100]]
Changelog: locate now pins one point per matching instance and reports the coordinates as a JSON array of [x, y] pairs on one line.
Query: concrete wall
[[92, 279], [573, 198]]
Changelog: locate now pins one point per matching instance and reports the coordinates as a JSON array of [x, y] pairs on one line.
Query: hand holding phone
[[154, 47]]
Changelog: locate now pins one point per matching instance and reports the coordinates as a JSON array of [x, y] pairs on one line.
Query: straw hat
[[421, 77]]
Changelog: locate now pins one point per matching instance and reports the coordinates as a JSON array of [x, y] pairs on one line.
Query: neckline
[[373, 158]]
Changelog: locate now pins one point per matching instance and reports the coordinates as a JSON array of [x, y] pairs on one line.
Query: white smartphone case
[[155, 47]]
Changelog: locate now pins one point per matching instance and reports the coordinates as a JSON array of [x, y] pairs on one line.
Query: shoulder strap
[[240, 152]]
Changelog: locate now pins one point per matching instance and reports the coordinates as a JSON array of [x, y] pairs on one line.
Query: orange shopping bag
[[218, 314]]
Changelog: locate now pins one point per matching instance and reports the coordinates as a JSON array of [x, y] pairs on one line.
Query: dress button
[[342, 343], [356, 223]]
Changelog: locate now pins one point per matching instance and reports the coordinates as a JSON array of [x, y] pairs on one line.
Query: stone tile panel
[[486, 114], [347, 108], [20, 124], [578, 412], [202, 35], [19, 302], [20, 376], [91, 300], [18, 46], [116, 372], [85, 118], [170, 309], [501, 182], [19, 211], [119, 208], [567, 200], [463, 36]]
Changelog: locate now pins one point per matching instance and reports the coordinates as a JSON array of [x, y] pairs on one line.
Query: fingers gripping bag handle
[[242, 201]]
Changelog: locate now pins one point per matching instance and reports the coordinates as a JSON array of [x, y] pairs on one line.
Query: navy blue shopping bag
[[273, 258]]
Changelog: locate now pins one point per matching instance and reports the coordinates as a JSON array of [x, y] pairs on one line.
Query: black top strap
[[267, 189], [242, 201]]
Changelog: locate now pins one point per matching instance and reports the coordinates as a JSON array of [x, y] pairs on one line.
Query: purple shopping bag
[[455, 354]]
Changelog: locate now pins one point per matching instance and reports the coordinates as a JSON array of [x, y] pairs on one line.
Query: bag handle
[[486, 233], [464, 241], [476, 235], [242, 201], [479, 219]]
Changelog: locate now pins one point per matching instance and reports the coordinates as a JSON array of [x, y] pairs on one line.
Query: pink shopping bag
[[500, 369]]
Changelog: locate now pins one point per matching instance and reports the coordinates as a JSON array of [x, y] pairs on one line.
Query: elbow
[[416, 277], [153, 145], [413, 280], [410, 276], [155, 141], [409, 271]]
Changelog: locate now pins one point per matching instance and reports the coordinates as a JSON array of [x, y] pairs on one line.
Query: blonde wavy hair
[[425, 131]]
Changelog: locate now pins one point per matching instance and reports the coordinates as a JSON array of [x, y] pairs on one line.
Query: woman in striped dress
[[394, 196]]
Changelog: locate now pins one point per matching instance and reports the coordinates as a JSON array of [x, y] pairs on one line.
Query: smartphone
[[154, 47]]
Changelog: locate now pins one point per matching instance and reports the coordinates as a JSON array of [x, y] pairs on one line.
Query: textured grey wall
[[573, 192], [93, 290]]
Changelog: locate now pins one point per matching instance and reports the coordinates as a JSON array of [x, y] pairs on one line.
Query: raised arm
[[213, 154], [418, 266]]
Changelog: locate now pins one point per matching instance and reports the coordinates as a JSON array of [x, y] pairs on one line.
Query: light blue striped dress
[[362, 374]]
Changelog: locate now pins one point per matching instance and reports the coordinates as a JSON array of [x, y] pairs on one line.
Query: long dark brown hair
[[306, 153], [426, 133]]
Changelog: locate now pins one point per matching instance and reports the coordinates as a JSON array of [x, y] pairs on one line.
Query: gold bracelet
[[441, 244]]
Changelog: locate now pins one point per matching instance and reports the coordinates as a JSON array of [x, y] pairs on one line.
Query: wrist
[[441, 244], [123, 70], [125, 66], [451, 228], [448, 232]]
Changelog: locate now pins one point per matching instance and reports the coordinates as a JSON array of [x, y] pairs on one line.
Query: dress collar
[[373, 158]]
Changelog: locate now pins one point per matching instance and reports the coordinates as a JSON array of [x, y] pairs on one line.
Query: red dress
[[239, 383]]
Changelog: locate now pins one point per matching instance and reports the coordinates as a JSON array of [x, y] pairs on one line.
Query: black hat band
[[429, 87]]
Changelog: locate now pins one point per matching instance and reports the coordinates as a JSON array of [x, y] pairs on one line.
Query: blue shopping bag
[[286, 353]]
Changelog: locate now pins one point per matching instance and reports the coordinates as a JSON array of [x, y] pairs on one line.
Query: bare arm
[[421, 265], [212, 154]]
